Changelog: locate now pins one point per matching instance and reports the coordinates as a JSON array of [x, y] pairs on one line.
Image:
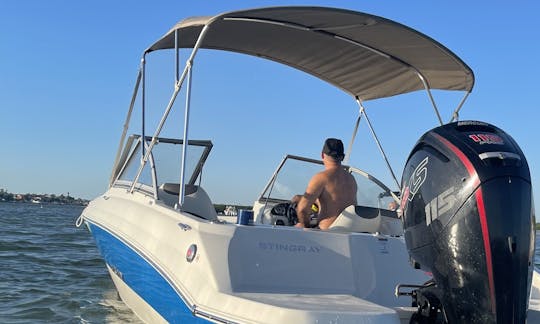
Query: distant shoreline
[[45, 203], [61, 199]]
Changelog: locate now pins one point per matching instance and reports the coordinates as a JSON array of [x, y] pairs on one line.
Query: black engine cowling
[[469, 220]]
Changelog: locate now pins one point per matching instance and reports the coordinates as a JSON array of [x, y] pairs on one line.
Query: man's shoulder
[[324, 174], [320, 177]]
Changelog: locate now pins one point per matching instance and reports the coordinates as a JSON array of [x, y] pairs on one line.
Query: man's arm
[[313, 191]]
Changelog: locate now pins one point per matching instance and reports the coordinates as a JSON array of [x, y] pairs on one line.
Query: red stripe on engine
[[487, 246], [468, 165], [481, 213]]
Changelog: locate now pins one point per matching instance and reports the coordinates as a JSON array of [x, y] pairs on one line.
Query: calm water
[[50, 271]]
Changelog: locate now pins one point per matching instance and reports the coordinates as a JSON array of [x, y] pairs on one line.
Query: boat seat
[[196, 200], [367, 220]]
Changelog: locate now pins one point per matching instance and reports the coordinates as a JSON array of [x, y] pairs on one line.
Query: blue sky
[[67, 71]]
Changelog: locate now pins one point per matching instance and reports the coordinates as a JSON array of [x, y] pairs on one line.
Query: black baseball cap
[[334, 148]]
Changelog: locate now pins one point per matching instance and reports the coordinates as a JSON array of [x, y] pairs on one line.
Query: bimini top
[[366, 56]]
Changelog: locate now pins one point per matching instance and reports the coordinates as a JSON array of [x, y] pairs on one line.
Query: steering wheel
[[291, 213]]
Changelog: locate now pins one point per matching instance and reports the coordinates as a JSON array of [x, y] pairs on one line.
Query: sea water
[[51, 271]]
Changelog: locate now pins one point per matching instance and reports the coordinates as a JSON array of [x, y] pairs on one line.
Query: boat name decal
[[486, 139], [287, 247]]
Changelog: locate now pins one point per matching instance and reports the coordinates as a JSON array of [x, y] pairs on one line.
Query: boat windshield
[[164, 162], [294, 173]]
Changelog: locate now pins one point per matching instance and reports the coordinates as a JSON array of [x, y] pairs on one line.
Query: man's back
[[339, 191], [332, 189]]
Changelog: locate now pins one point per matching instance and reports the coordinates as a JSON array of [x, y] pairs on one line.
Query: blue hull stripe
[[142, 278]]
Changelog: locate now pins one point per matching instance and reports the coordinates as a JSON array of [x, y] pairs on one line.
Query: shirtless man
[[332, 189]]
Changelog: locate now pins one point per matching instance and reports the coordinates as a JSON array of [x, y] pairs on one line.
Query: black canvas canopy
[[367, 56]]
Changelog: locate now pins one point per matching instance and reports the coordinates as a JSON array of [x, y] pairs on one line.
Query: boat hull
[[249, 274], [141, 285], [245, 274]]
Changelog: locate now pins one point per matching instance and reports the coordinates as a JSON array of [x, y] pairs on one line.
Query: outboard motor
[[469, 220]]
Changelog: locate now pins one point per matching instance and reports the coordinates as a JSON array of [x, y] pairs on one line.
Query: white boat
[[452, 257]]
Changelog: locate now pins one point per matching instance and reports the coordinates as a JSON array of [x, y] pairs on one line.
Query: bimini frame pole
[[126, 126], [363, 112], [185, 145], [177, 88], [353, 137], [143, 105], [181, 194], [455, 114], [426, 86]]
